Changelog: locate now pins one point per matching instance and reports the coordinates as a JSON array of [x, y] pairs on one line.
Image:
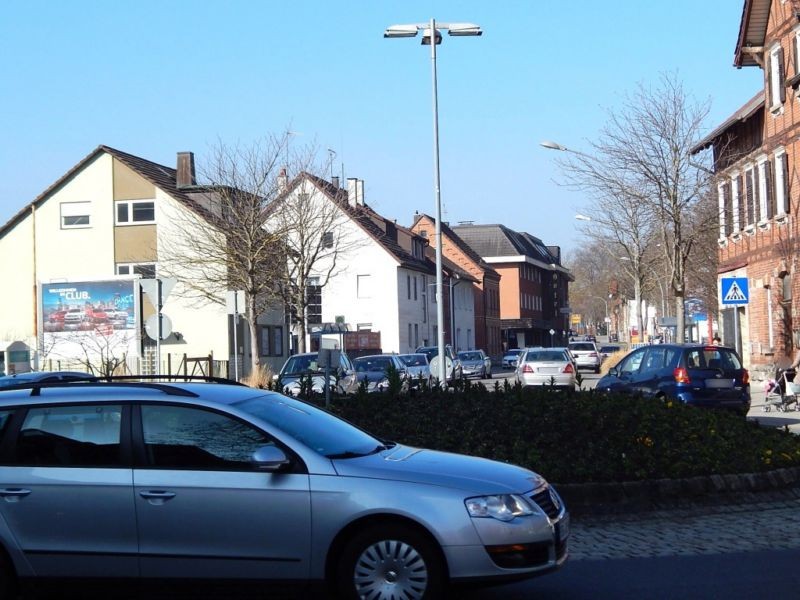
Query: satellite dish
[[151, 326], [448, 366]]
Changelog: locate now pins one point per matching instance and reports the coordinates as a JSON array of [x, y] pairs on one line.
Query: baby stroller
[[783, 394]]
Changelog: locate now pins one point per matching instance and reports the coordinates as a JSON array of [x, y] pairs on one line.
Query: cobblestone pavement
[[688, 531]]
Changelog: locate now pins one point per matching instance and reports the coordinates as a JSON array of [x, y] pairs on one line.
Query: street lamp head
[[463, 29], [401, 31], [551, 145]]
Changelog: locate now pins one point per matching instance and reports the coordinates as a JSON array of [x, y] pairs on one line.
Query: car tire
[[390, 561], [8, 577]]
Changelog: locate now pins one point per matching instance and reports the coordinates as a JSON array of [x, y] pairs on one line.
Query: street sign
[[564, 310], [235, 302], [150, 289], [734, 291], [151, 326]]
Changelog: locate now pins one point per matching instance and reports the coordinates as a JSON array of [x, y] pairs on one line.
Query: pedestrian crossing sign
[[734, 290]]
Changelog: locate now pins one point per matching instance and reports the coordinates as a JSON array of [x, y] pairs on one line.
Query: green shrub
[[574, 437]]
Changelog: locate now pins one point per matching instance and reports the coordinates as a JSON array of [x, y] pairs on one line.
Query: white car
[[549, 367], [586, 355]]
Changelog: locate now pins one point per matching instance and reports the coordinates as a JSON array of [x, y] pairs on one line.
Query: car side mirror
[[613, 371], [269, 458]]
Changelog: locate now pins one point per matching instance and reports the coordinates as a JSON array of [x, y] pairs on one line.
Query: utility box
[[15, 357]]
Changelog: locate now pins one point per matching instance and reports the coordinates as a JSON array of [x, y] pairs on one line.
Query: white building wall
[[16, 271], [411, 311], [203, 325], [80, 253], [464, 316]]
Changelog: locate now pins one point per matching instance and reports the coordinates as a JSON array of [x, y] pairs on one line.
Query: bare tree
[[645, 183], [220, 243], [101, 350]]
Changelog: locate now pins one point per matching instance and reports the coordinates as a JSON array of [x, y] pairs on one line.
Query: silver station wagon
[[185, 481]]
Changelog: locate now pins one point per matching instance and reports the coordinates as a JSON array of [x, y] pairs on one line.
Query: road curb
[[660, 494]]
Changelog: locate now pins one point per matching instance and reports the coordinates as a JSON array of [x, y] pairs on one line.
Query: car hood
[[469, 473], [471, 363], [370, 376]]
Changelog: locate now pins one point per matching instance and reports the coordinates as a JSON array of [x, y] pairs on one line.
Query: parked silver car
[[511, 356], [207, 481], [453, 370], [586, 355], [417, 366], [547, 367], [475, 363]]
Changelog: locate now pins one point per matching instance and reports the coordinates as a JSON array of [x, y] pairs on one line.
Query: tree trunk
[[255, 351], [637, 297], [680, 314]]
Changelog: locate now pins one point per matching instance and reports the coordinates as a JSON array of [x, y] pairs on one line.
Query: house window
[[277, 341], [415, 287], [416, 335], [136, 212], [264, 339], [313, 301], [364, 327], [364, 286], [75, 215], [786, 287], [327, 239], [409, 334], [781, 181], [408, 286], [424, 299], [145, 270], [777, 91]]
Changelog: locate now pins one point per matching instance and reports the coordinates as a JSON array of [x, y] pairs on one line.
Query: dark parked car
[[695, 374], [606, 351], [43, 377], [342, 380], [374, 371]]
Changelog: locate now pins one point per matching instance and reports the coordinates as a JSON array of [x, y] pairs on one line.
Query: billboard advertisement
[[83, 320]]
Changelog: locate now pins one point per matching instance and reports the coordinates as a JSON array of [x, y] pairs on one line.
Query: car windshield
[[470, 356], [430, 353], [513, 352], [372, 363], [301, 364], [414, 360], [311, 426]]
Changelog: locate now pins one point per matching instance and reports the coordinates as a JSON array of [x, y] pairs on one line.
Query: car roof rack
[[154, 382]]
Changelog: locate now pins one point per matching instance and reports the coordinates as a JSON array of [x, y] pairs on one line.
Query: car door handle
[[13, 494], [157, 497]]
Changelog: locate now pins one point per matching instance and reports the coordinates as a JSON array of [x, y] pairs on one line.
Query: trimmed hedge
[[576, 437]]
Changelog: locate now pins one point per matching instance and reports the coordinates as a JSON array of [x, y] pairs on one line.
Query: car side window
[[70, 436], [654, 359], [631, 364], [179, 437]]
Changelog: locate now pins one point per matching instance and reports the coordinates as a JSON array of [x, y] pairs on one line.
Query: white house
[[383, 278]]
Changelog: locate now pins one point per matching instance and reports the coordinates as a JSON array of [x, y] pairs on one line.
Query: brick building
[[755, 155], [485, 286]]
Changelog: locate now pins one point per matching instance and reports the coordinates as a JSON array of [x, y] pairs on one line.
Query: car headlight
[[503, 507]]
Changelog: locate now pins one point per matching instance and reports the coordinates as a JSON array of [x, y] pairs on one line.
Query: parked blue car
[[695, 374]]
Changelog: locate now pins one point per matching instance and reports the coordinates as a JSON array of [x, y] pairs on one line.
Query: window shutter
[[786, 199], [728, 210], [781, 76], [742, 203], [768, 86], [748, 197], [795, 41], [756, 195], [769, 176]]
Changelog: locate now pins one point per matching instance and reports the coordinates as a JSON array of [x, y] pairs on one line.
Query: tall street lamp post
[[431, 35]]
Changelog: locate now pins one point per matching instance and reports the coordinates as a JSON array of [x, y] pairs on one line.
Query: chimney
[[283, 180], [335, 182], [185, 175], [360, 192], [351, 191]]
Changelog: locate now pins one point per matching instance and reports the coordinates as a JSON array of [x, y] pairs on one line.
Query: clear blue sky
[[155, 78]]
